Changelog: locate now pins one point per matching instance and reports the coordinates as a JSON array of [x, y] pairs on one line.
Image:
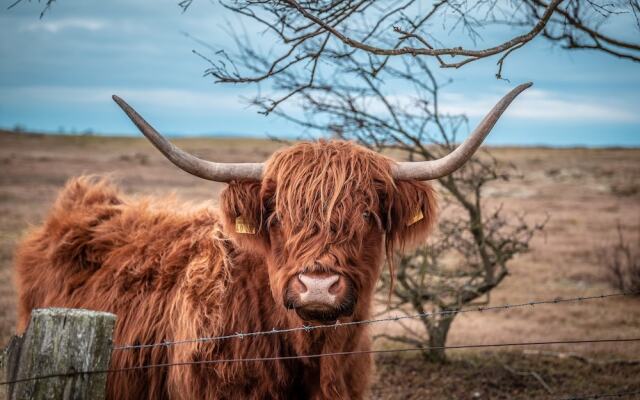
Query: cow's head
[[323, 214]]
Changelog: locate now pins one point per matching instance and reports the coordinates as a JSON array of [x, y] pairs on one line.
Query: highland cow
[[298, 240]]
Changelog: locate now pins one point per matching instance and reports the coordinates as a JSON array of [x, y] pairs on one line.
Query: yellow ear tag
[[243, 226], [416, 217]]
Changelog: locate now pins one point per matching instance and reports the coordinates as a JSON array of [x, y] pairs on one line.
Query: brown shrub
[[622, 263]]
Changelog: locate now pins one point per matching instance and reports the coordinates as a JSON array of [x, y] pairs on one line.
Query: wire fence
[[322, 355], [274, 331], [365, 352]]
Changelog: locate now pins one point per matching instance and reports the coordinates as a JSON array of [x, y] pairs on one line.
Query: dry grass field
[[585, 192]]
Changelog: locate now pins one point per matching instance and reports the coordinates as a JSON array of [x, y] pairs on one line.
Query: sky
[[57, 74]]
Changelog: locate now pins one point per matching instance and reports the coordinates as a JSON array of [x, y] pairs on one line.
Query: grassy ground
[[501, 375], [585, 192]]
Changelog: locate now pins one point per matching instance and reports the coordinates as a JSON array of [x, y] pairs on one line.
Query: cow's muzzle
[[320, 297]]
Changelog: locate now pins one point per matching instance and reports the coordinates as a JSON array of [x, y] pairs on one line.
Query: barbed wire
[[320, 355], [240, 335]]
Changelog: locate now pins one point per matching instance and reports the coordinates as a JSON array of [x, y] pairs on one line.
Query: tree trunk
[[438, 328]]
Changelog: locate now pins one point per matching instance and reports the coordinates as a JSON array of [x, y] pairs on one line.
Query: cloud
[[543, 105], [532, 105], [155, 98], [55, 26]]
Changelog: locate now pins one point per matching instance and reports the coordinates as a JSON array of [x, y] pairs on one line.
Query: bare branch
[[374, 35]]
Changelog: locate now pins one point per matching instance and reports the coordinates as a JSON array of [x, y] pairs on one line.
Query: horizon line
[[249, 136]]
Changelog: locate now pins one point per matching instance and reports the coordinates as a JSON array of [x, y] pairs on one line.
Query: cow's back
[[99, 251]]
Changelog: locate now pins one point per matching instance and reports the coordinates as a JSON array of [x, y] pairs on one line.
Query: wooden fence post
[[59, 341]]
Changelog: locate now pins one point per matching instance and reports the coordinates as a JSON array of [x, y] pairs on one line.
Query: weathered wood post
[[60, 341]]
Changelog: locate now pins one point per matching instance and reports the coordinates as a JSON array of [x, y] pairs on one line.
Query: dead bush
[[621, 261]]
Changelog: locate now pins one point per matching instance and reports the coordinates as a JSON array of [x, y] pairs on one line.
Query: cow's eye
[[366, 215], [274, 221]]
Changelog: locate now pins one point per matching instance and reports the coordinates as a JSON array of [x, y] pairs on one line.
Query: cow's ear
[[411, 213], [242, 213]]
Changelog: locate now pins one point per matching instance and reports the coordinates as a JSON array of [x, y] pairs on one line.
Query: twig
[[529, 373], [582, 359]]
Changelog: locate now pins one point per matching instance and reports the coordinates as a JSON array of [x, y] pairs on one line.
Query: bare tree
[[466, 259], [390, 104], [469, 254]]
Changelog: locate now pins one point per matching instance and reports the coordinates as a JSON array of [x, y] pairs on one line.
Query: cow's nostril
[[300, 284], [337, 287]]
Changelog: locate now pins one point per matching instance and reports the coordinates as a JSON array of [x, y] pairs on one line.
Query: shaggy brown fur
[[171, 274]]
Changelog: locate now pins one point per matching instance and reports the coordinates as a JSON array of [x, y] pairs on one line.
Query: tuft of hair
[[324, 188], [84, 203]]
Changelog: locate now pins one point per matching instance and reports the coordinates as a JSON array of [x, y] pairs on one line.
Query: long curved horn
[[219, 172], [433, 169]]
